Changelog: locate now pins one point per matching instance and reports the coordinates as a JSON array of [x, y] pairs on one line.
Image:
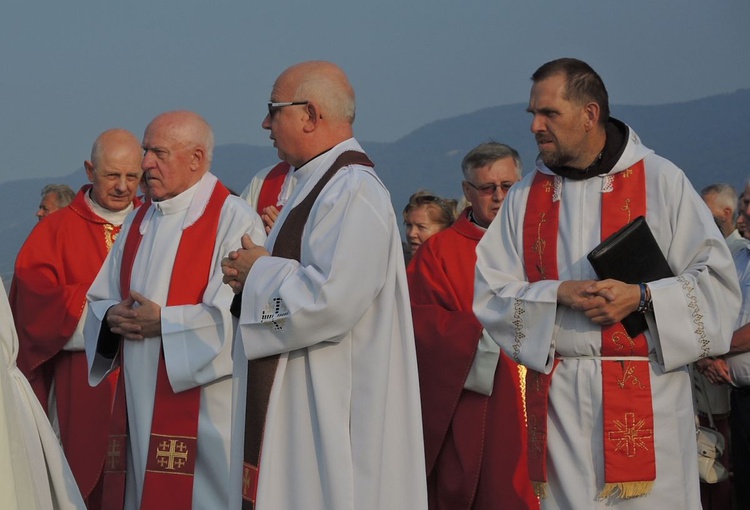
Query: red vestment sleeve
[[446, 336], [48, 296]]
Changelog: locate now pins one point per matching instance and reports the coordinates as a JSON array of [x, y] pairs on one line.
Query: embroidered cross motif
[[171, 454], [114, 454], [547, 186], [274, 314], [627, 173], [630, 435]]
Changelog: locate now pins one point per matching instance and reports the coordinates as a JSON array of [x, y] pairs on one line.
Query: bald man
[[325, 321], [159, 311], [54, 269]]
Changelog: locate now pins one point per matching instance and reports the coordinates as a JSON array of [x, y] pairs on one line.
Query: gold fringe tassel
[[540, 489], [626, 490]]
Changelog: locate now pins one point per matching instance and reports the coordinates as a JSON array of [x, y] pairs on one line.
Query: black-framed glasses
[[275, 107], [489, 189]]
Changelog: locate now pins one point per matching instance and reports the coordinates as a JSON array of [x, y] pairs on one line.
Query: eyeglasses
[[275, 107], [489, 189]]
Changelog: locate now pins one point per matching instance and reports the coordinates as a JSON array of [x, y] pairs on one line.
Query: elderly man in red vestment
[[53, 271], [472, 408]]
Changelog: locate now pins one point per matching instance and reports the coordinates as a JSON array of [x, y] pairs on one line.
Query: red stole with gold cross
[[172, 449], [629, 456]]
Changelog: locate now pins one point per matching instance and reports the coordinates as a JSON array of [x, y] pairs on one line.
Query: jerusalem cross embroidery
[[115, 461], [630, 435], [174, 455]]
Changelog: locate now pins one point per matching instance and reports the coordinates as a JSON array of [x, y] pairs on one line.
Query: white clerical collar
[[113, 217], [194, 200]]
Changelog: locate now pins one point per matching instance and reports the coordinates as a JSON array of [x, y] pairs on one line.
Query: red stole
[[172, 448], [271, 188], [629, 457]]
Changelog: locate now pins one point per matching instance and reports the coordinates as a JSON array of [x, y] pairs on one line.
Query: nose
[[147, 161], [40, 213], [537, 125], [122, 184], [266, 124], [411, 232], [499, 194]]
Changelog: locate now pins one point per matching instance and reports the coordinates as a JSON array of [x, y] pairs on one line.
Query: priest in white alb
[[159, 309], [331, 419], [610, 416]]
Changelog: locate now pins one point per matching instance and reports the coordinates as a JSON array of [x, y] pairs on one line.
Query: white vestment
[[34, 474], [739, 364], [251, 193], [196, 338], [694, 315], [343, 429]]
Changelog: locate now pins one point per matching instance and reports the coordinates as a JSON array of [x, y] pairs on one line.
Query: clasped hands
[[605, 302], [135, 318], [237, 264]]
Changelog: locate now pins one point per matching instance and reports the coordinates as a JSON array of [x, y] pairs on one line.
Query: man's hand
[[269, 216], [237, 264], [716, 370], [604, 302], [135, 318]]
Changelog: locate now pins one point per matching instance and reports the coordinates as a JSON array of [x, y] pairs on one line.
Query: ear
[[196, 161], [591, 111], [314, 116], [89, 166]]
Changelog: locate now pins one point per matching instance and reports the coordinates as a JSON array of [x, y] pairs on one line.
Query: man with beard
[[610, 416]]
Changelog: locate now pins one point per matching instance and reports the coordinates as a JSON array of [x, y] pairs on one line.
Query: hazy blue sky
[[72, 69]]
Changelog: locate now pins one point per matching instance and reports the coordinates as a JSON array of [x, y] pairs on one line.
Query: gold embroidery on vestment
[[630, 435], [626, 207], [628, 373], [536, 436], [172, 454], [109, 235], [539, 246]]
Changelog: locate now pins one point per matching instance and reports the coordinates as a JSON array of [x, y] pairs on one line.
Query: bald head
[[114, 141], [114, 169], [321, 116], [178, 148], [326, 84]]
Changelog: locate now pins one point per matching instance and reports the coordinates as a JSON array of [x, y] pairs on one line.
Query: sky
[[73, 69]]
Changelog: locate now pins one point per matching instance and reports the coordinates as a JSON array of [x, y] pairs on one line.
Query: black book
[[631, 255]]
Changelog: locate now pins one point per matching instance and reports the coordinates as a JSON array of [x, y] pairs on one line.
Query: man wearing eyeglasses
[[610, 411], [472, 410], [332, 398]]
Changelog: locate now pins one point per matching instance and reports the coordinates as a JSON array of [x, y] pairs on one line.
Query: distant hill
[[705, 137]]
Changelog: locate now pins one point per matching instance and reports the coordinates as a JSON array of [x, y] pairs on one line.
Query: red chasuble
[[53, 271], [474, 444], [271, 189], [173, 445], [628, 440]]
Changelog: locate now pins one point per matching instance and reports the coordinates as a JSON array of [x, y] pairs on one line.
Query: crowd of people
[[173, 345]]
